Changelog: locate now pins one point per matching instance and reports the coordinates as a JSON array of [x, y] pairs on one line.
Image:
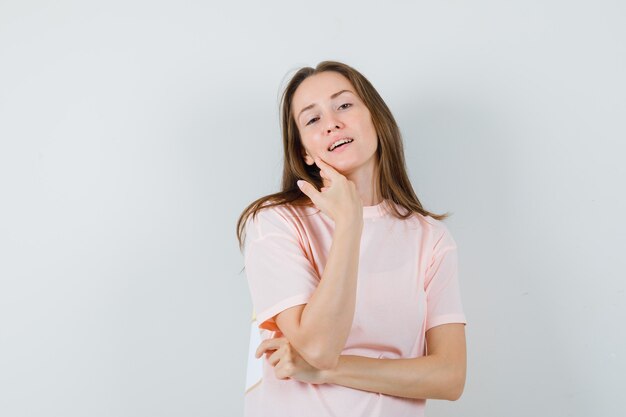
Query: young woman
[[353, 282]]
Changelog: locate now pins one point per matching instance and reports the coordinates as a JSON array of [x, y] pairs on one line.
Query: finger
[[269, 344], [272, 343], [275, 357], [284, 369], [309, 190], [260, 350], [331, 172]]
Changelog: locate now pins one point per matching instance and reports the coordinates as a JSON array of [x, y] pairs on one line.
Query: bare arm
[[439, 375], [319, 329]]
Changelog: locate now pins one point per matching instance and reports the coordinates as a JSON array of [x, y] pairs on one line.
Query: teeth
[[339, 142]]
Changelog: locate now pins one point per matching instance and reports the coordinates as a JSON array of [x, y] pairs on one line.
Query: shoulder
[[432, 233], [282, 219], [438, 232]]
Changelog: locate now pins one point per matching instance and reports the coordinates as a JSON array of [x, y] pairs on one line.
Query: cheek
[[308, 151], [368, 130], [309, 141], [371, 128], [306, 145], [364, 121]]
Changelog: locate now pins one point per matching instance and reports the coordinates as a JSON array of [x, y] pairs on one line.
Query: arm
[[440, 375], [319, 329]]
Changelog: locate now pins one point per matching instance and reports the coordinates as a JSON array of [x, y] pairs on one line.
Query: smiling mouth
[[341, 143]]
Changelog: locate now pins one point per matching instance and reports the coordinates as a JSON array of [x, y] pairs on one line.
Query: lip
[[341, 148], [335, 139]]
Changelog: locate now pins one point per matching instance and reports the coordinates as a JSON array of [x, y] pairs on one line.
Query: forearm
[[423, 377], [327, 318]]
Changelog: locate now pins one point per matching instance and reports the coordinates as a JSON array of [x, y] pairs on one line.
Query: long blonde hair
[[392, 179]]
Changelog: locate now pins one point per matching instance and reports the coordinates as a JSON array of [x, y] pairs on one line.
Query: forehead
[[318, 88]]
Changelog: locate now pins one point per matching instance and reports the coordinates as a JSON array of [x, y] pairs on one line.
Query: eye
[[312, 120], [346, 104]]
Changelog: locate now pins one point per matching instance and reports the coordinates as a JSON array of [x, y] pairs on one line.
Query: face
[[326, 108]]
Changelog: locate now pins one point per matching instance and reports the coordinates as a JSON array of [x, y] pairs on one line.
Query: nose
[[332, 124]]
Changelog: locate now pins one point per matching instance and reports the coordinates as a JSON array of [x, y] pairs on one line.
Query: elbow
[[316, 352], [456, 386], [455, 394], [324, 361]]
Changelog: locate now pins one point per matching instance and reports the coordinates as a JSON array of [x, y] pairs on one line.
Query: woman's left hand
[[287, 362]]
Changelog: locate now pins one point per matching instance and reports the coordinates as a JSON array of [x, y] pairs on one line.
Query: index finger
[[269, 344]]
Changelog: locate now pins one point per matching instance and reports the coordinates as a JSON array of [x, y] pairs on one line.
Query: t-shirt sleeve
[[443, 295], [279, 273]]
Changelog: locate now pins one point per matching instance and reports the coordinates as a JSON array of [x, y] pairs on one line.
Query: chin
[[342, 164], [349, 166], [345, 167]]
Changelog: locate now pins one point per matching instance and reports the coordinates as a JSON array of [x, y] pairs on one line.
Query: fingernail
[[299, 182]]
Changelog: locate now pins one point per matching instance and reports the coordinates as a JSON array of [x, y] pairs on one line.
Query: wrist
[[349, 225]]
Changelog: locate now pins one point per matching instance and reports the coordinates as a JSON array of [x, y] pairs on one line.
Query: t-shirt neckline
[[376, 210]]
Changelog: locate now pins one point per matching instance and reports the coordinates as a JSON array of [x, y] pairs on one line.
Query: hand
[[338, 199], [287, 362]]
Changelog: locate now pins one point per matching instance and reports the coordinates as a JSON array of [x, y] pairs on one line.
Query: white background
[[133, 133]]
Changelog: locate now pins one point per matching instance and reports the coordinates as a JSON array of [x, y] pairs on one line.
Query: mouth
[[339, 143]]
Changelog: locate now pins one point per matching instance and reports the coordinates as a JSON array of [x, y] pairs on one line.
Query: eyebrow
[[313, 105]]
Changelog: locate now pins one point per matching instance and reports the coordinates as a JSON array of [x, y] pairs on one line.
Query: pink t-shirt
[[407, 283]]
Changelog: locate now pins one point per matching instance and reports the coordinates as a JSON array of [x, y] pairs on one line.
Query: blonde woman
[[354, 284]]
